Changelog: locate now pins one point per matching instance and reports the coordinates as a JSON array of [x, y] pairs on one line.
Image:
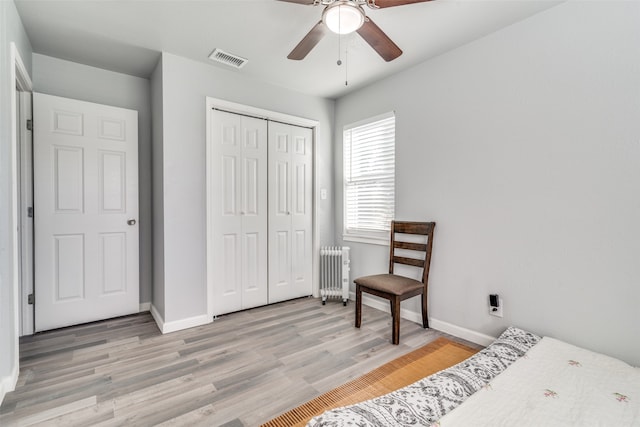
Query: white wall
[[524, 147], [77, 81], [11, 30], [186, 84]]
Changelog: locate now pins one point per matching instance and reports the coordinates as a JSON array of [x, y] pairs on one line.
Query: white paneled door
[[237, 185], [290, 211], [86, 211]]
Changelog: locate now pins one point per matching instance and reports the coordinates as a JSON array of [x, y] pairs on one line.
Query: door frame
[[23, 283], [233, 107]]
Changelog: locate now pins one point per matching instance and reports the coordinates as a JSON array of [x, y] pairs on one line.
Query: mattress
[[555, 384], [520, 379]]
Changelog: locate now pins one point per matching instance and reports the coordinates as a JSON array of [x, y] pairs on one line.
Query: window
[[369, 179]]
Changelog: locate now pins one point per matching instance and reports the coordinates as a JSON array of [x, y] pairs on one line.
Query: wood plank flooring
[[242, 370]]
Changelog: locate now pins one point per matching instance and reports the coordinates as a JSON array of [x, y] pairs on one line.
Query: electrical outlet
[[497, 311]]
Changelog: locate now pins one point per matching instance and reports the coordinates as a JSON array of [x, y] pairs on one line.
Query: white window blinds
[[369, 178]]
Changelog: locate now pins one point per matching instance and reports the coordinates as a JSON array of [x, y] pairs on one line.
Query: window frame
[[364, 235]]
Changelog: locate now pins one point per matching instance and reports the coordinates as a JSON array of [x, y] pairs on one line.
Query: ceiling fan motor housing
[[343, 16]]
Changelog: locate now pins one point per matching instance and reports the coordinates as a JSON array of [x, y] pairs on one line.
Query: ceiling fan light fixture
[[343, 17]]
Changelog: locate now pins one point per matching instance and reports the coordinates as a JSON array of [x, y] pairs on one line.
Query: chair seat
[[390, 283]]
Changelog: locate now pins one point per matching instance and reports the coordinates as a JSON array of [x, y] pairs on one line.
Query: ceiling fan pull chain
[[339, 40], [339, 49], [346, 64]]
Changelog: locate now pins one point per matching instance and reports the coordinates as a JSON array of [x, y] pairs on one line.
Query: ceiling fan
[[347, 16]]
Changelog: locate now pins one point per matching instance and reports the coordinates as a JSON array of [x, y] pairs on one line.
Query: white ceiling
[[127, 35]]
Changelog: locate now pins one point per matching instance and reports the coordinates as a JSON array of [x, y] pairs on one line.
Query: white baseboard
[[440, 325], [156, 316], [191, 322], [145, 306], [8, 383], [460, 332], [178, 325]]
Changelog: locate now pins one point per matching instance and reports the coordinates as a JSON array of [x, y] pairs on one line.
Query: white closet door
[[301, 213], [290, 216], [254, 212], [86, 208], [238, 195]]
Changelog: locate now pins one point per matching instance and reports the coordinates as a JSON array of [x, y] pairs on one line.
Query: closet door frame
[[232, 107]]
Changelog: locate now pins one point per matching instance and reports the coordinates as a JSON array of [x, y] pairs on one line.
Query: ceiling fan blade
[[308, 42], [300, 1], [379, 41], [390, 3]]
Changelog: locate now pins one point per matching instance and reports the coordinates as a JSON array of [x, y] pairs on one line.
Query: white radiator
[[334, 273]]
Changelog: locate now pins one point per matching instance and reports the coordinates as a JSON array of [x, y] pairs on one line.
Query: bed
[[520, 379]]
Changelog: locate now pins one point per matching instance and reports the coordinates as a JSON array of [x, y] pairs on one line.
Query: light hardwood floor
[[242, 370]]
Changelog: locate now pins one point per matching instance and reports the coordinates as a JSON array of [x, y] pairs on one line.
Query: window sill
[[366, 239]]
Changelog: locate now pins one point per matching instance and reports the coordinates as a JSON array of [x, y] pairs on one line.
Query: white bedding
[[555, 384], [424, 402]]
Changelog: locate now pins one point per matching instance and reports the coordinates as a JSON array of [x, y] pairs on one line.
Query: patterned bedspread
[[555, 385], [429, 399]]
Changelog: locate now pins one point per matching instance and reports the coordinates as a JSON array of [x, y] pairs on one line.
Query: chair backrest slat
[[420, 247], [408, 261], [409, 227]]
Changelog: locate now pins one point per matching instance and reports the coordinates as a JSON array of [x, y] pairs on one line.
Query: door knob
[[131, 222]]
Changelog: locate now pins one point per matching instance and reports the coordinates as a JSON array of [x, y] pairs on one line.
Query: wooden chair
[[397, 288]]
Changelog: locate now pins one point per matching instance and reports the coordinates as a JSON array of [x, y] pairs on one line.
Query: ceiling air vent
[[226, 58]]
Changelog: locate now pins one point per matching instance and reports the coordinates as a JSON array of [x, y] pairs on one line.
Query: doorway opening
[[22, 189]]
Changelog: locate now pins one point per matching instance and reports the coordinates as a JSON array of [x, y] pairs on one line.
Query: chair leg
[[358, 306], [425, 318], [395, 311]]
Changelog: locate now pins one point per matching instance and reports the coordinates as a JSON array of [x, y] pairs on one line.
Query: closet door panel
[[299, 257], [229, 184], [238, 198], [280, 266], [254, 212], [301, 212], [253, 270], [230, 278], [225, 196], [279, 172], [290, 216]]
